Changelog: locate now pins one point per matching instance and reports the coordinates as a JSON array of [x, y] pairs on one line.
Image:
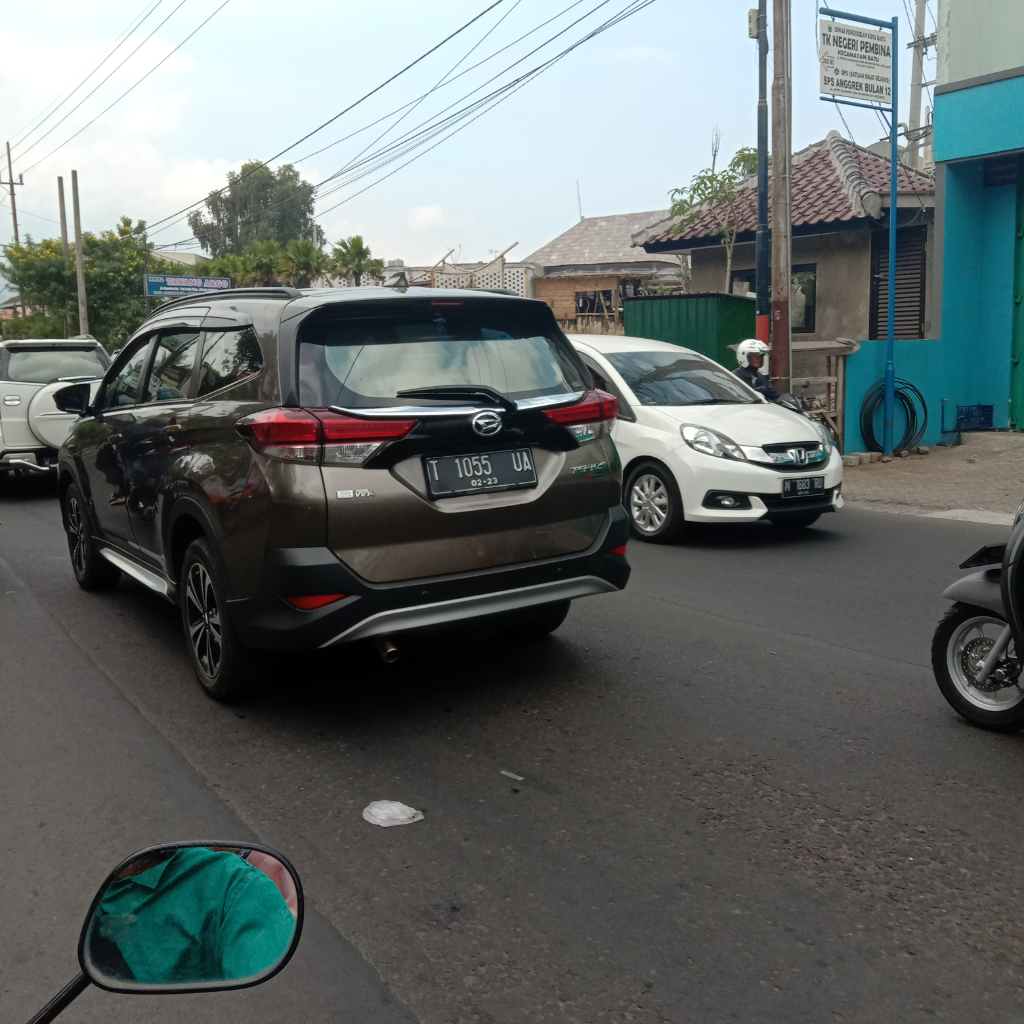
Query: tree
[[352, 257], [256, 205], [114, 264], [303, 263], [717, 193], [263, 262], [229, 265]]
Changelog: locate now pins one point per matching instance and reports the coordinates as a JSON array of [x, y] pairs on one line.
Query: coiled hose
[[905, 395]]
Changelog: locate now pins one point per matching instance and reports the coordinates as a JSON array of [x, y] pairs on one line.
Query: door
[[1017, 343], [103, 446], [157, 440]]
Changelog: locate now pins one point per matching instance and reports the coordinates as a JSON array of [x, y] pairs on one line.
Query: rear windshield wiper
[[479, 394]]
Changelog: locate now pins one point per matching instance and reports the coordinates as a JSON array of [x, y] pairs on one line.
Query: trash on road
[[390, 812], [512, 775]]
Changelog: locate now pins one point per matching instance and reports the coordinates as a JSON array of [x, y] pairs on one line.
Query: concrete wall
[[843, 286], [978, 38]]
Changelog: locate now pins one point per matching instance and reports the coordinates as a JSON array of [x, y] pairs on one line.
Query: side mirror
[[787, 401], [74, 398]]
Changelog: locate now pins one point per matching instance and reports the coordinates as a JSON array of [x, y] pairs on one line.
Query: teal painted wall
[[978, 121]]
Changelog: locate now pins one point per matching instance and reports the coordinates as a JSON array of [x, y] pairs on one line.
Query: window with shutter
[[910, 283]]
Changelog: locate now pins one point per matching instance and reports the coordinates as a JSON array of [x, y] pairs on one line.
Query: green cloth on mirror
[[200, 916]]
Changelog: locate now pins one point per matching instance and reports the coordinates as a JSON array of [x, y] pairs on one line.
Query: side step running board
[[146, 577]]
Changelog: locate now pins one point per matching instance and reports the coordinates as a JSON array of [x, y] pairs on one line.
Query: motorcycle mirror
[[188, 917], [787, 401]]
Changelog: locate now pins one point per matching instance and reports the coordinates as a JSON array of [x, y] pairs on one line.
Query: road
[[743, 797]]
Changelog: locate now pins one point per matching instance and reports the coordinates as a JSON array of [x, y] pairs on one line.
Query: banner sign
[[165, 284], [855, 62]]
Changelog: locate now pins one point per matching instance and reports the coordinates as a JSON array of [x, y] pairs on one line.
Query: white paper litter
[[390, 812], [512, 775]]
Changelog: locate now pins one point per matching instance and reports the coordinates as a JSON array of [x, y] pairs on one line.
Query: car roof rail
[[272, 292]]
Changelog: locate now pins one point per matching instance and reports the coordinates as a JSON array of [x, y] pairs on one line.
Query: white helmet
[[748, 348]]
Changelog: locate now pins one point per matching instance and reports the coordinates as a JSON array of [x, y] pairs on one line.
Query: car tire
[[796, 522], [222, 665], [91, 569], [952, 665], [653, 504]]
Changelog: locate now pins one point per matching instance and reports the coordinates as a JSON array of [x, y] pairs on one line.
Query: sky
[[623, 118]]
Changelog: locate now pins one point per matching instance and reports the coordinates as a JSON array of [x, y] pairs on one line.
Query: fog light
[[728, 501]]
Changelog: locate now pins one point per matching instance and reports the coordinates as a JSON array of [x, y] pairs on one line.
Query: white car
[[700, 446], [32, 428]]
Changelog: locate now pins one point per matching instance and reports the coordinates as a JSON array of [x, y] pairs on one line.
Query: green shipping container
[[708, 322]]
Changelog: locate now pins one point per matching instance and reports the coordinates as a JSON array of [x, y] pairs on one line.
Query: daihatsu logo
[[486, 424]]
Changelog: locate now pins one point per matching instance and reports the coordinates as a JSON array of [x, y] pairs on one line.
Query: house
[[978, 145], [840, 239], [585, 272]]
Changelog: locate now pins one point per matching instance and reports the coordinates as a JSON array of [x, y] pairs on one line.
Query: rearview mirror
[[74, 398], [193, 917]]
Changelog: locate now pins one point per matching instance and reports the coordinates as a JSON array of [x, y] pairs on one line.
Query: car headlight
[[711, 442], [823, 433]]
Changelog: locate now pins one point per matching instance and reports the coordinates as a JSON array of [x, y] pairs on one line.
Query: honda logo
[[798, 455], [486, 424]]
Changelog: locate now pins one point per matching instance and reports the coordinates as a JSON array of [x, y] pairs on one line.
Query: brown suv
[[298, 469]]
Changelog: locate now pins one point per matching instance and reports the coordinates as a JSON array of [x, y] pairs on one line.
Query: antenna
[[579, 202]]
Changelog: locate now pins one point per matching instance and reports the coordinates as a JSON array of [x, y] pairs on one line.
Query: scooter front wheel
[[963, 638]]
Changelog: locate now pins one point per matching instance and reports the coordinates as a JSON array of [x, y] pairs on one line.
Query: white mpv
[[700, 446]]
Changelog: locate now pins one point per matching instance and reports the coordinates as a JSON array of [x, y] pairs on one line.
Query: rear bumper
[[267, 621]]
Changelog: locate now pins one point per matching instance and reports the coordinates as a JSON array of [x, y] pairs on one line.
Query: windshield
[[364, 362], [664, 378], [42, 365]]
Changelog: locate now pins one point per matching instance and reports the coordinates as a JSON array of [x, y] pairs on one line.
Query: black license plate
[[803, 487], [449, 475]]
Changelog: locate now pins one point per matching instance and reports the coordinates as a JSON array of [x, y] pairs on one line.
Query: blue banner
[[169, 284]]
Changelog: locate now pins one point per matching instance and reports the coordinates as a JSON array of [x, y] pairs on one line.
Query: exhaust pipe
[[388, 649]]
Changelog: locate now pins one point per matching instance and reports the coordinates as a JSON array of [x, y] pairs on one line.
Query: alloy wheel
[[76, 535], [203, 620], [648, 503], [964, 656]]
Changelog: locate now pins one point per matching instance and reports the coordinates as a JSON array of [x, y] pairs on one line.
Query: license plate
[[449, 475], [803, 487]]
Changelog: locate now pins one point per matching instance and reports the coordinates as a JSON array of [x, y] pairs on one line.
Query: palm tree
[[352, 256], [303, 263], [264, 262], [229, 265]]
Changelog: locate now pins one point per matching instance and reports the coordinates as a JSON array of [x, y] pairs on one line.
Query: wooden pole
[[83, 311], [780, 354]]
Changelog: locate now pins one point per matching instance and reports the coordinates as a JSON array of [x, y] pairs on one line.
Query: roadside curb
[[963, 515]]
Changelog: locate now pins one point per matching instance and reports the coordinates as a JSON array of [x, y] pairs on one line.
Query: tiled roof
[[596, 240], [832, 180]]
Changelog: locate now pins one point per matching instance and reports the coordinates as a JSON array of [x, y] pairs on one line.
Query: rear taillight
[[588, 419], [289, 434], [351, 441], [315, 435], [310, 602]]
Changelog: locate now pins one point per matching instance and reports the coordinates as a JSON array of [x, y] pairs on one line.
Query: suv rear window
[[43, 365], [361, 362]]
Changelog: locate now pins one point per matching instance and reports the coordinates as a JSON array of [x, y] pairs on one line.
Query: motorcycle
[[188, 917], [974, 650]]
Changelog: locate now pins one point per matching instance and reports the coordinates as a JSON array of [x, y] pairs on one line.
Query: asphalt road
[[743, 797]]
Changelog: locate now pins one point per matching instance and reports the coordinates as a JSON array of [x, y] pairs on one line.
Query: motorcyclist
[[750, 355]]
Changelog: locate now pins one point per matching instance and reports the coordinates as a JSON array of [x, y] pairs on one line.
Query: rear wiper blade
[[481, 394]]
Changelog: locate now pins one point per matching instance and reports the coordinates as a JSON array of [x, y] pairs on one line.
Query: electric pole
[[83, 312], [10, 183], [780, 367], [920, 43], [763, 274], [64, 244]]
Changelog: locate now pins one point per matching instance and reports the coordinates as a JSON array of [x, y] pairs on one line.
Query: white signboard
[[855, 62]]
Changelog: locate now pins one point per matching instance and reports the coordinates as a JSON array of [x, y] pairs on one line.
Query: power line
[[50, 109], [351, 106], [101, 84], [132, 87]]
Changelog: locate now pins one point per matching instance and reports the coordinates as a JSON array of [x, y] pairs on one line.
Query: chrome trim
[[146, 577], [28, 465], [431, 411], [397, 620]]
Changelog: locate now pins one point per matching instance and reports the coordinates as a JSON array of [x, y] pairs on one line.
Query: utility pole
[[10, 183], [64, 244], [919, 45], [781, 366], [763, 250], [83, 311]]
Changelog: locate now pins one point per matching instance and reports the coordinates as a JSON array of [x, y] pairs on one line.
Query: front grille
[[795, 456]]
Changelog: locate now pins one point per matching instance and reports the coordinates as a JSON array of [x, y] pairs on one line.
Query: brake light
[[310, 602], [289, 434], [312, 435], [588, 419]]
